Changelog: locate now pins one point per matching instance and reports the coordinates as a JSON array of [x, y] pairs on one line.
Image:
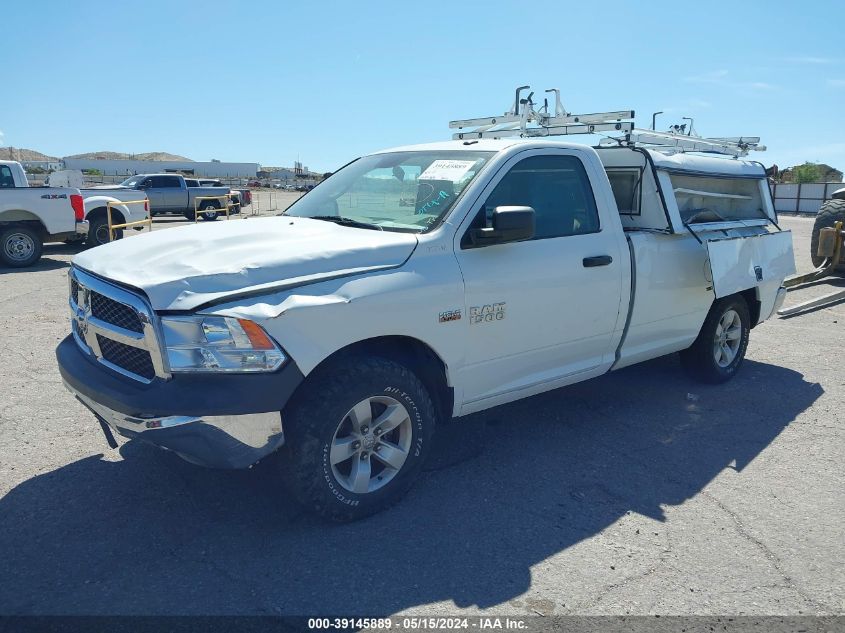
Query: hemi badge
[[450, 315]]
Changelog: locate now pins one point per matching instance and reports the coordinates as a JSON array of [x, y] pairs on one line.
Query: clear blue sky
[[328, 81]]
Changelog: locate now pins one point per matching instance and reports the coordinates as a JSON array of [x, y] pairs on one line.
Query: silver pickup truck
[[169, 193]]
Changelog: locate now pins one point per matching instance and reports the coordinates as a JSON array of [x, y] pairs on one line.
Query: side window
[[7, 181], [626, 186], [558, 190], [714, 199], [171, 182], [156, 182]]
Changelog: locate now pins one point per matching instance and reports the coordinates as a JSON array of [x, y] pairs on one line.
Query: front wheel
[[20, 247], [356, 437], [719, 350]]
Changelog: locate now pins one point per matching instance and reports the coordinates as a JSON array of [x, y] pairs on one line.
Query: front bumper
[[215, 420]]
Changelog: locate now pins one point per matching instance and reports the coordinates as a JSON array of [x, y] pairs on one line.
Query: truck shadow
[[507, 489]]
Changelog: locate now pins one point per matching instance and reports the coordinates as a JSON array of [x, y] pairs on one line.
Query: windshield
[[133, 181], [400, 191]]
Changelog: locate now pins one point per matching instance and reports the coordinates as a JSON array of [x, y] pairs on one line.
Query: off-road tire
[[32, 239], [832, 211], [311, 419], [699, 359], [98, 232]]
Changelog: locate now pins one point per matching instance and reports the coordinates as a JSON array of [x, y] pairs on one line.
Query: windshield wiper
[[339, 219]]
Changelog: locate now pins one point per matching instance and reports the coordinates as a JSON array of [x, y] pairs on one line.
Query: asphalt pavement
[[640, 492]]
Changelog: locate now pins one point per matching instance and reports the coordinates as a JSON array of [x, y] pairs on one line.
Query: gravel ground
[[640, 492]]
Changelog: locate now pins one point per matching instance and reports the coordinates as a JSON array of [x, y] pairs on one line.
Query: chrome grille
[[114, 312], [130, 358], [115, 326]]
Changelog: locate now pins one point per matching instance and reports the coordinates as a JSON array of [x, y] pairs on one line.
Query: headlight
[[212, 343]]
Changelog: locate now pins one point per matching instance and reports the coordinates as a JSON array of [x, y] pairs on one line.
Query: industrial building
[[127, 167]]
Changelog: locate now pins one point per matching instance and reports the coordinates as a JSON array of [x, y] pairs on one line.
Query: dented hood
[[186, 267]]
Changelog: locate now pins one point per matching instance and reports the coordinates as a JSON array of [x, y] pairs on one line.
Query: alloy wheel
[[728, 338], [371, 444]]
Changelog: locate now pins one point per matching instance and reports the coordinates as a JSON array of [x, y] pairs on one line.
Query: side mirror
[[509, 224]]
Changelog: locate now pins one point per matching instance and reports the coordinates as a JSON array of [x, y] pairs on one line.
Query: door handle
[[598, 260]]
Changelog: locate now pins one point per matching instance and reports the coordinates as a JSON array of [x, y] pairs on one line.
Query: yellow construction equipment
[[830, 249]]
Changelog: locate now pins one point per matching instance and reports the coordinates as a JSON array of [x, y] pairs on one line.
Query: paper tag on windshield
[[452, 170]]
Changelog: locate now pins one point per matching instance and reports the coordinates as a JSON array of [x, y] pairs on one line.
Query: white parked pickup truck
[[343, 332], [31, 216], [127, 205]]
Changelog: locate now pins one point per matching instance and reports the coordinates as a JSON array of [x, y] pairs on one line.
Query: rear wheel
[[98, 232], [719, 350], [832, 211], [20, 246], [356, 437], [209, 210]]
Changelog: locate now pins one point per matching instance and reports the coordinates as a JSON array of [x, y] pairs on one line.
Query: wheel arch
[[100, 211], [411, 352], [752, 300], [21, 216]]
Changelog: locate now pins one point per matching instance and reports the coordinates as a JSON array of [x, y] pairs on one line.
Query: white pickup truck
[[31, 217], [127, 206], [346, 330]]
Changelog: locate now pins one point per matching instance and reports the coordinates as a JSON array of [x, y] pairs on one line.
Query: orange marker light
[[257, 336]]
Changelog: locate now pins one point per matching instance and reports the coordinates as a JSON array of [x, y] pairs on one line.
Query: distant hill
[[19, 153], [125, 156]]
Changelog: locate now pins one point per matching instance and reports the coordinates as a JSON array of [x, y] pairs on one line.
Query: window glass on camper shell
[[625, 182], [397, 191], [704, 198]]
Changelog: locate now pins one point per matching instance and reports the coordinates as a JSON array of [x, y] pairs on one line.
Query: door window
[[558, 190]]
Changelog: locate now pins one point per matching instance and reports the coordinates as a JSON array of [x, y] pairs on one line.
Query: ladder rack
[[525, 121], [668, 141], [516, 121]]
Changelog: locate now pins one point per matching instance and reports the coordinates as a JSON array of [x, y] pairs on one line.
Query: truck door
[[175, 193], [546, 309], [156, 189]]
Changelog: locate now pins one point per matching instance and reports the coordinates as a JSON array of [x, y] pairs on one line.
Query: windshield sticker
[[452, 170], [431, 204]]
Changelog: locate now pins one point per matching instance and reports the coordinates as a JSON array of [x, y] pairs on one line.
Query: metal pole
[[798, 199], [654, 119]]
